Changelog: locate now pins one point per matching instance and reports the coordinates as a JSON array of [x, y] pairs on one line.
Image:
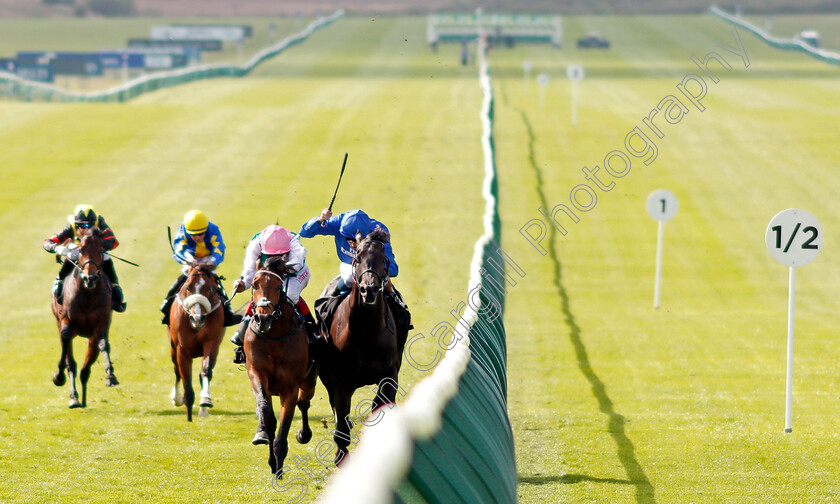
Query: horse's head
[[197, 293], [91, 257], [268, 294], [370, 266]]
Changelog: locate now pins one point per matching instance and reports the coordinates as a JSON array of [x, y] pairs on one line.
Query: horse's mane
[[274, 263], [379, 234]]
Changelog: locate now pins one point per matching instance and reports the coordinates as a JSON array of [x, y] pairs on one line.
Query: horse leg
[[307, 391], [84, 374], [105, 349], [205, 401], [386, 391], [66, 339], [342, 424], [281, 441], [266, 421], [71, 369], [176, 395], [185, 370]]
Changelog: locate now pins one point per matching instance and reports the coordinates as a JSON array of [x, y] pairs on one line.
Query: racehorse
[[365, 347], [278, 363], [196, 327], [85, 311]]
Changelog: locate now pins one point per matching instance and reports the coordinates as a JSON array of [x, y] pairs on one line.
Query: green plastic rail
[[26, 90], [791, 44], [451, 440]]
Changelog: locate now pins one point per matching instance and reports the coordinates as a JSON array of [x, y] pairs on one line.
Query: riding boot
[[58, 290], [58, 285], [116, 290], [170, 297], [238, 337]]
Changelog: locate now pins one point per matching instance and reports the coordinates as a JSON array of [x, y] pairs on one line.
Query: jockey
[[275, 240], [198, 243], [344, 227], [81, 223]]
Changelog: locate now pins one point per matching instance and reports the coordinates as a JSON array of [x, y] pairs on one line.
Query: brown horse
[[278, 362], [196, 327], [85, 311], [366, 348]]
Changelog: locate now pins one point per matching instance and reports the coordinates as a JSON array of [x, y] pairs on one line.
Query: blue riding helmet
[[354, 221]]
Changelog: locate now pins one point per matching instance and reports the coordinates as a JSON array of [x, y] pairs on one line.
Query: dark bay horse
[[85, 311], [196, 327], [278, 362], [366, 348]]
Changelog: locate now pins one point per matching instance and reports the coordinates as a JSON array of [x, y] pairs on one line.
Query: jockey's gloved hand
[[61, 250], [73, 254], [238, 285]]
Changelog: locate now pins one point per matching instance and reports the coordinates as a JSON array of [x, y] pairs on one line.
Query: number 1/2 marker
[[794, 238], [662, 206]]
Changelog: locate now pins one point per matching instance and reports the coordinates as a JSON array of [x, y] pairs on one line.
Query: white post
[[574, 104], [789, 380], [660, 238]]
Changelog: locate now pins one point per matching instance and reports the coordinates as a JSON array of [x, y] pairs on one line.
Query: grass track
[[248, 152], [612, 401]]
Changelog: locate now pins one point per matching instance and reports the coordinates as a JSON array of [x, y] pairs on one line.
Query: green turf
[[611, 400], [249, 152]]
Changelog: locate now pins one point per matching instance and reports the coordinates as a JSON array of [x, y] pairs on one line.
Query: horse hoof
[[177, 400], [59, 379], [206, 402], [111, 381], [261, 438], [340, 456], [74, 403], [203, 412], [303, 436]]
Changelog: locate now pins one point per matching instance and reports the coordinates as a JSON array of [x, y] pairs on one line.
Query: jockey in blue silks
[[344, 228], [198, 243]]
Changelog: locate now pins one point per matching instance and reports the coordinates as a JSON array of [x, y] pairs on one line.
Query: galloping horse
[[196, 327], [85, 311], [366, 348], [278, 362]]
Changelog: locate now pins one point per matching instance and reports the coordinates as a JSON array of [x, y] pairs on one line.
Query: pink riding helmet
[[275, 240]]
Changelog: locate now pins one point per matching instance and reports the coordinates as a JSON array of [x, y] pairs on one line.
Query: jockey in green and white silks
[[275, 241]]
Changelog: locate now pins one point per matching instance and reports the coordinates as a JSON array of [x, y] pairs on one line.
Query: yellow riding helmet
[[195, 222]]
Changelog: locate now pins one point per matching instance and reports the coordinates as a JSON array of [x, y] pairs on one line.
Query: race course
[[610, 400]]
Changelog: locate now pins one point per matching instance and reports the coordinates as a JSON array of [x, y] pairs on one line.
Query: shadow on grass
[[570, 479], [615, 421], [180, 411]]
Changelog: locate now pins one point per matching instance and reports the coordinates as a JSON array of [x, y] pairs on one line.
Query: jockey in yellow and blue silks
[[198, 243]]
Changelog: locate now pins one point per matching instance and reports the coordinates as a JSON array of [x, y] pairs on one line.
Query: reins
[[276, 310]]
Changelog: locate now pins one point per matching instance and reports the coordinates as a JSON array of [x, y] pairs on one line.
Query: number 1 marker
[[662, 206]]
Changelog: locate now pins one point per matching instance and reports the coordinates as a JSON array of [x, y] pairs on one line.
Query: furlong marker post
[[794, 238], [662, 206]]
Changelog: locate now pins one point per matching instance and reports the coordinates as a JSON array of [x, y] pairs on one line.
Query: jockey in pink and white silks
[[272, 241]]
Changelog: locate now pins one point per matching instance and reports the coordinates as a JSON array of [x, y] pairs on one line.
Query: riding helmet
[[353, 222], [195, 222], [84, 214], [275, 240]]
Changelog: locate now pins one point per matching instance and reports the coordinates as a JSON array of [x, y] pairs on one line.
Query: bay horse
[[278, 363], [196, 327], [85, 311], [365, 347]]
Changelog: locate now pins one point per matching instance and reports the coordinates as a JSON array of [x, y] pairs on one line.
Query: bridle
[[260, 320], [382, 278]]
